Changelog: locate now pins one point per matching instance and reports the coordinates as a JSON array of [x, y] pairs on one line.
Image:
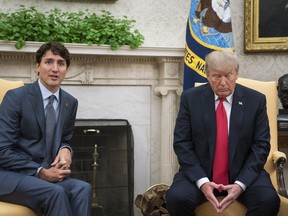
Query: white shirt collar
[[229, 99], [46, 93]]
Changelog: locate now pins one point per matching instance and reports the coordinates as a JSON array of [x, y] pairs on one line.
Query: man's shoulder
[[21, 91], [248, 91], [198, 89], [67, 95]]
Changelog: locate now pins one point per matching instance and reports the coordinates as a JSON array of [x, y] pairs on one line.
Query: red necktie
[[220, 165]]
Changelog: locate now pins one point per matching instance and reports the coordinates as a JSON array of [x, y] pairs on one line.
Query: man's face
[[223, 81], [52, 70]]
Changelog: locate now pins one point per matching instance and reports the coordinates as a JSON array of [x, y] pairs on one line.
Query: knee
[[269, 204], [180, 203], [173, 201], [83, 188], [86, 187], [56, 192], [273, 201], [176, 199]]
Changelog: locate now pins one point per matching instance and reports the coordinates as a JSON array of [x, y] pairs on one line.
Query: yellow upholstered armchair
[[275, 161], [7, 209]]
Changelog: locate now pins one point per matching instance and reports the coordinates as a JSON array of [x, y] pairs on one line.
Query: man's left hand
[[64, 158], [234, 191]]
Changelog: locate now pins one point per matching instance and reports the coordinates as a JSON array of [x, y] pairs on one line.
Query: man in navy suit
[[248, 144], [25, 178]]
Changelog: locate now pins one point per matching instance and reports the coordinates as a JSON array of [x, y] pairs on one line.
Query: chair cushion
[[283, 206], [206, 209], [8, 209]]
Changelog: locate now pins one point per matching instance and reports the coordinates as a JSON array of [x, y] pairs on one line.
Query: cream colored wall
[[163, 23], [265, 66]]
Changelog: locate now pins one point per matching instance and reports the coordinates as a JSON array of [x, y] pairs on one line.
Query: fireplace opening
[[103, 156]]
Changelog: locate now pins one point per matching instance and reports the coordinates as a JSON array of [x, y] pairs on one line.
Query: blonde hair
[[221, 59]]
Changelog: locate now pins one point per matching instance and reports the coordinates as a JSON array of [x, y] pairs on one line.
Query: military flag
[[208, 28]]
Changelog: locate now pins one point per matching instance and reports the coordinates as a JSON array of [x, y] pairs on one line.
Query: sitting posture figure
[[222, 140], [36, 125]]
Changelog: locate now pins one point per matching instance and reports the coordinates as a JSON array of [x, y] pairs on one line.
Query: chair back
[[6, 85], [269, 89]]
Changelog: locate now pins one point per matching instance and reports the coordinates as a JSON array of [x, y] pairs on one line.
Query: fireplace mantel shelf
[[84, 49]]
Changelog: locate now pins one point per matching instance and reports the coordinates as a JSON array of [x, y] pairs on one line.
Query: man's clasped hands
[[233, 192]]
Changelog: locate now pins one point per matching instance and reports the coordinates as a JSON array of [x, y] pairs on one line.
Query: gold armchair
[[275, 161], [8, 209]]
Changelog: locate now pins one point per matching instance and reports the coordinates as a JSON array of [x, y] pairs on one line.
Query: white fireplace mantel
[[141, 85], [92, 64], [84, 49]]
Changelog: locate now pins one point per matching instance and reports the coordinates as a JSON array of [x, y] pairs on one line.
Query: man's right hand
[[55, 173]]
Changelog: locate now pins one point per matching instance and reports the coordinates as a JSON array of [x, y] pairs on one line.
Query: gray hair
[[221, 59]]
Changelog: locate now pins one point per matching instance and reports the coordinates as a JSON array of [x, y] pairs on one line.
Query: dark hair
[[56, 48]]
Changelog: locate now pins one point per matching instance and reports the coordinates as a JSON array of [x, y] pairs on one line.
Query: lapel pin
[[240, 103]]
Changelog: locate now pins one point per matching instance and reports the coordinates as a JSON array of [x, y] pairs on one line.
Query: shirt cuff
[[243, 186], [66, 146], [201, 181], [38, 170]]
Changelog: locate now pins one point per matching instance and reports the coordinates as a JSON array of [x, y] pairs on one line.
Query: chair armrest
[[279, 159]]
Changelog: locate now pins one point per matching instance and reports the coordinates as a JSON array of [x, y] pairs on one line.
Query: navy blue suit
[[22, 150], [195, 140]]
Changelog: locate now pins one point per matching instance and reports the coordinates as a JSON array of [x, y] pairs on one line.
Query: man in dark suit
[[34, 173], [248, 144]]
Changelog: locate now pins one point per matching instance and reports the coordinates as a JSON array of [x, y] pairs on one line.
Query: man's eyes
[[60, 63], [217, 76]]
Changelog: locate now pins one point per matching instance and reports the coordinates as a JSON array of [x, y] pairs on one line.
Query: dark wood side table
[[282, 139]]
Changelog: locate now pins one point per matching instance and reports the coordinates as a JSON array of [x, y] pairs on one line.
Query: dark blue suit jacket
[[22, 132], [249, 134]]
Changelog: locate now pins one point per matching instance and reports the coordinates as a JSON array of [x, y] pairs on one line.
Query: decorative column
[[169, 89]]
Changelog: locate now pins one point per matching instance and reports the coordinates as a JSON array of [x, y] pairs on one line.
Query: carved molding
[[16, 56], [103, 50], [113, 59], [99, 65], [164, 90]]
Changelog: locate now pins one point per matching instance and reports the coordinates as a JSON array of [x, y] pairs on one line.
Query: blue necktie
[[50, 130]]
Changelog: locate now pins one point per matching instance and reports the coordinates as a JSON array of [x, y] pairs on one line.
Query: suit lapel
[[36, 100], [63, 105], [236, 119], [209, 117]]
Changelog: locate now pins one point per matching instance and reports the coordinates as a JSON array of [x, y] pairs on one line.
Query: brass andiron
[[94, 165]]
